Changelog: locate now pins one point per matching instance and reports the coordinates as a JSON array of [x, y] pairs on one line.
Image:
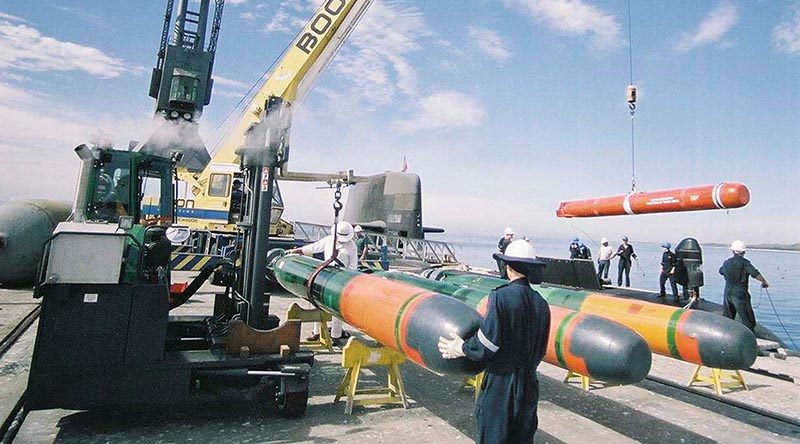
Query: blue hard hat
[[666, 245], [625, 238]]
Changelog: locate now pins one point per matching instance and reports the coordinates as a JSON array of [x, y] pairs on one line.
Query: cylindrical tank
[[25, 226], [693, 336], [584, 343], [406, 318], [689, 252], [707, 197]]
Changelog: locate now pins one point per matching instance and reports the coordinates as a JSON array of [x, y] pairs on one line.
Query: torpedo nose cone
[[611, 351], [723, 343], [734, 195], [24, 228]]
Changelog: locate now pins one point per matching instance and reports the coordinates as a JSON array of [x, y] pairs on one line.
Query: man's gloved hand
[[452, 348], [765, 284]]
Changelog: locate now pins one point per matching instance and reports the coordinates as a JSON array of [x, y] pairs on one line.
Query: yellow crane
[[207, 200]]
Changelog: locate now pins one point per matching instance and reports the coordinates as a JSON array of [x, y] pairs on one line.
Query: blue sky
[[504, 108]]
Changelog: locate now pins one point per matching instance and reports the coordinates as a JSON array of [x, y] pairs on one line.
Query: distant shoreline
[[778, 247]]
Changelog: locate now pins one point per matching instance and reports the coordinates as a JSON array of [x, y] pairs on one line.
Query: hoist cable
[[631, 100], [337, 207]]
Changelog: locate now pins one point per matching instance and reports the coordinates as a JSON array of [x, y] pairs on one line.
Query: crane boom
[[312, 50]]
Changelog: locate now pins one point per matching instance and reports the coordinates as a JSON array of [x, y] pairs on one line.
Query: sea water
[[778, 267]]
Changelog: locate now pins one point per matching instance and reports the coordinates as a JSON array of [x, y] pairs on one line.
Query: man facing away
[[511, 340], [625, 253], [508, 236], [737, 272], [346, 256]]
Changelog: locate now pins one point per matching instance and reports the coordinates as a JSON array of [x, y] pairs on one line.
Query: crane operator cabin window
[[111, 195], [183, 89], [219, 185]]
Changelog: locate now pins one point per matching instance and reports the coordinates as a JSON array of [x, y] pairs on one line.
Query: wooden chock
[[718, 378], [586, 381], [303, 315], [245, 340], [474, 383], [357, 355]]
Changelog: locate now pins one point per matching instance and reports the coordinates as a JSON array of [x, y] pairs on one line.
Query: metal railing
[[398, 247], [432, 252], [307, 231]]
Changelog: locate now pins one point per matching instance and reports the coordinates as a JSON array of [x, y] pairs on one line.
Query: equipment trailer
[[105, 337]]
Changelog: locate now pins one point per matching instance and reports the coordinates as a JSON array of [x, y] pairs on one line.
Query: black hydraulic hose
[[178, 299]]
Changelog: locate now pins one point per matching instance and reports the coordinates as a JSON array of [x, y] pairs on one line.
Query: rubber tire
[[293, 405]]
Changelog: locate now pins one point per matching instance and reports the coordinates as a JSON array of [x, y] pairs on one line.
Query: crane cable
[[772, 304], [631, 97], [337, 207]]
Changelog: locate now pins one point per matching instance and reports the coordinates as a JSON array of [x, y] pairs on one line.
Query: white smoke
[[170, 136]]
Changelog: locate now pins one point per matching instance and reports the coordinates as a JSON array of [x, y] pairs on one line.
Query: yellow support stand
[[301, 314], [719, 379], [474, 383], [357, 355], [585, 381]]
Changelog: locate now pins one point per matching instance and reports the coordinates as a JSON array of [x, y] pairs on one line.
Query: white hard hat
[[604, 240], [358, 229], [737, 246], [344, 231], [508, 231], [519, 251]]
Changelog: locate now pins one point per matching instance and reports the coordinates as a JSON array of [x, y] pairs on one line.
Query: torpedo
[[722, 196], [398, 315], [689, 335], [580, 342]]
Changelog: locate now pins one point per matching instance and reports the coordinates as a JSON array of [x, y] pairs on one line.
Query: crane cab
[[124, 183]]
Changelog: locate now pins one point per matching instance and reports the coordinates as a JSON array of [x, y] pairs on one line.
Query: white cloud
[[12, 18], [248, 16], [786, 35], [236, 2], [490, 43], [224, 81], [26, 49], [573, 17], [278, 23], [39, 133], [289, 17], [711, 29], [376, 62], [444, 110]]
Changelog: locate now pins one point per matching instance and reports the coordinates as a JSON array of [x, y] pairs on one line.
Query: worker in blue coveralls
[[512, 341], [668, 263], [737, 272]]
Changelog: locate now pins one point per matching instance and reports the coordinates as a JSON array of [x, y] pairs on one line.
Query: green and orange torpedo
[[580, 342], [690, 335], [406, 318]]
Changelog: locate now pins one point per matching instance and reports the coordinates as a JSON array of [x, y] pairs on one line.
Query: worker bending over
[[737, 272], [512, 341], [346, 257]]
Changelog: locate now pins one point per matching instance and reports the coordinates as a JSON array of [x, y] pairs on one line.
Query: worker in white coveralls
[[346, 256]]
